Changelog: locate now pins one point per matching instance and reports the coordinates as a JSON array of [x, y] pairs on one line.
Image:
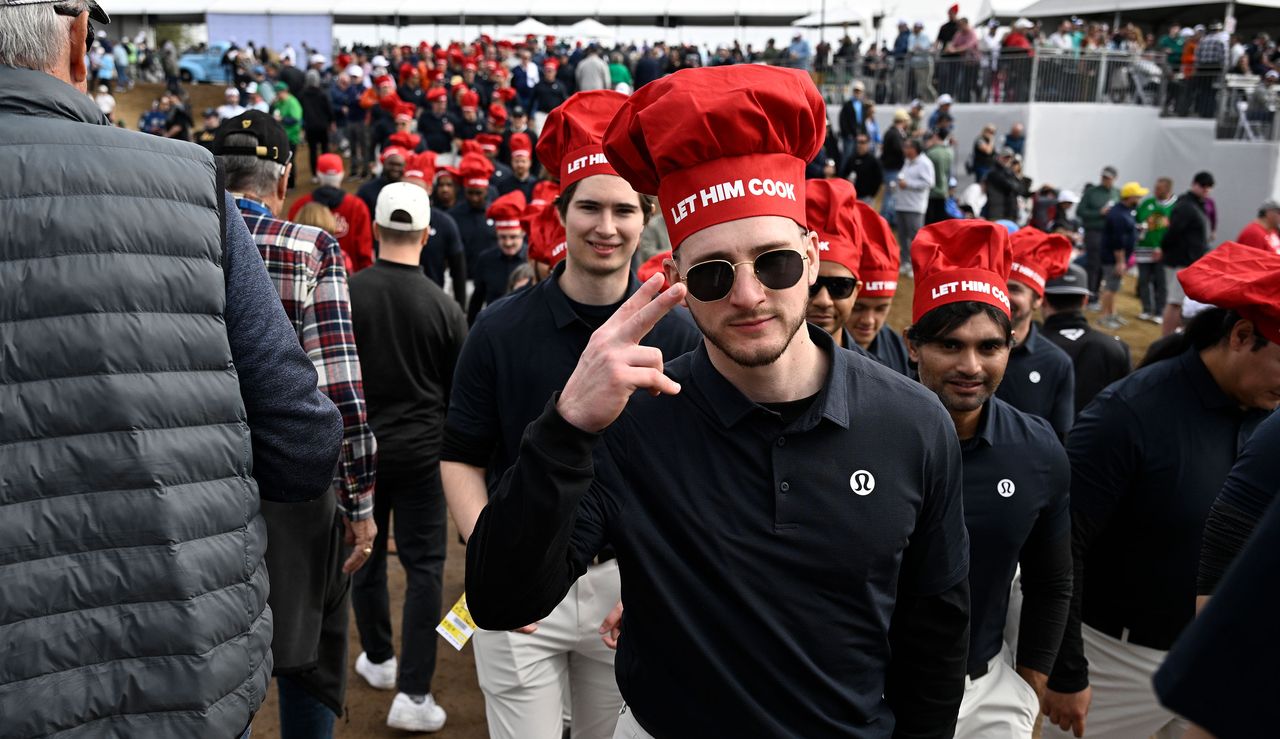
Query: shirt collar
[[1206, 388], [730, 406], [1032, 343], [987, 423], [28, 92], [561, 311]]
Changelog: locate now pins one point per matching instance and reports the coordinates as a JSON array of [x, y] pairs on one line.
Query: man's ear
[[913, 351], [78, 71]]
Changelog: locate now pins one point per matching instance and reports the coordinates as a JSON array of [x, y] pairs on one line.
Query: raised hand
[[615, 365]]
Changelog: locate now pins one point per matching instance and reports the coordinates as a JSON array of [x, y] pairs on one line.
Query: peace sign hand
[[615, 365]]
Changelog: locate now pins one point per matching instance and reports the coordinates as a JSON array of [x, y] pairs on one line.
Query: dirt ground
[[455, 685]]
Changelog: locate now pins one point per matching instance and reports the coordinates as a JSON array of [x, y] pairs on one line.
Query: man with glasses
[[786, 513], [832, 215]]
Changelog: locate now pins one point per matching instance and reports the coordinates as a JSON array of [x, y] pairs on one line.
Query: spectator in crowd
[[982, 158], [799, 52], [963, 57], [1153, 221], [1186, 240], [864, 170], [288, 110], [592, 72], [206, 135], [901, 58], [1016, 139], [914, 183], [1095, 201], [1264, 231], [1003, 188], [1211, 57], [1098, 359], [549, 93], [231, 107], [941, 156], [649, 67], [309, 555], [393, 161], [921, 61], [353, 228], [892, 159], [1119, 238], [941, 116], [494, 266], [153, 119], [1063, 222], [831, 213], [1261, 106], [852, 120], [318, 119], [106, 103], [471, 212], [115, 456], [618, 72]]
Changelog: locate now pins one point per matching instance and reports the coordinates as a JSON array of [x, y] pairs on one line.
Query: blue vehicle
[[204, 66]]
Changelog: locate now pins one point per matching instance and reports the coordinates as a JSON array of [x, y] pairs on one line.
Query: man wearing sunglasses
[[832, 215], [152, 392], [786, 513], [1015, 474]]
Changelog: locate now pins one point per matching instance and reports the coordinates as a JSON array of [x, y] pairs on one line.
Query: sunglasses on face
[[838, 288], [713, 280]]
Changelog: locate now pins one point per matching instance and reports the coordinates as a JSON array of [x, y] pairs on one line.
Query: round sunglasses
[[712, 280], [838, 288]]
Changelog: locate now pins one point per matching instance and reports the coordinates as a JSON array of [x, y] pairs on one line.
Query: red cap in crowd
[[406, 112], [450, 172], [1242, 278], [470, 100], [505, 44], [831, 213], [470, 146], [878, 268], [469, 66], [521, 146], [405, 140], [570, 143], [1038, 257], [489, 142], [718, 144], [498, 113], [441, 53], [384, 80], [547, 241], [437, 93], [390, 102], [329, 164], [505, 94], [394, 151], [544, 191], [476, 169], [500, 71], [960, 260], [421, 166], [551, 62], [653, 266], [506, 211]]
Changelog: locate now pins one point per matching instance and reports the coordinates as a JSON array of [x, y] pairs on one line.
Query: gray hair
[[312, 78], [249, 174], [34, 36]]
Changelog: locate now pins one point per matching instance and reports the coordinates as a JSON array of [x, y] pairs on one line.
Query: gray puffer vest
[[133, 596]]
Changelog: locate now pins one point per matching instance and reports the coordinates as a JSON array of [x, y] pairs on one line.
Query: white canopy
[[531, 26], [1067, 8], [591, 29]]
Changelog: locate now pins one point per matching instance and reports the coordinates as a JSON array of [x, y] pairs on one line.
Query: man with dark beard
[[1015, 473], [765, 593]]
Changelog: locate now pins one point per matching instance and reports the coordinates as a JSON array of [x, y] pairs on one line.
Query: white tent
[[531, 26], [591, 30]]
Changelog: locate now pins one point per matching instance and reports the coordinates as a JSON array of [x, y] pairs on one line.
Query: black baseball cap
[[1074, 282], [273, 143], [95, 11]]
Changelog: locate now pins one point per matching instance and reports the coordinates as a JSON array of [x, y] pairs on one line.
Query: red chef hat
[[505, 44], [470, 146], [1242, 278], [831, 213], [878, 268], [547, 242], [421, 166], [406, 111], [498, 113], [470, 65], [437, 93], [960, 260], [489, 142], [718, 144], [405, 140], [476, 170], [394, 151], [440, 53], [544, 191], [653, 266], [450, 172], [384, 80], [552, 62], [469, 100], [1038, 257], [507, 210], [505, 94], [570, 143], [520, 145], [390, 102], [500, 71]]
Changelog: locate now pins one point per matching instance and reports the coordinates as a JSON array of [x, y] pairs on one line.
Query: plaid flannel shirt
[[306, 266]]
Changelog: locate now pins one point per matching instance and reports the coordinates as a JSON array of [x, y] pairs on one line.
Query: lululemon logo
[[862, 482], [1034, 377], [1006, 488]]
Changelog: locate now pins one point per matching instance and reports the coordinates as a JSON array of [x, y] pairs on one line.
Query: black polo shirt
[[1041, 381], [1099, 359], [761, 561], [889, 349], [521, 350], [476, 229], [1148, 457], [493, 272], [1016, 507]]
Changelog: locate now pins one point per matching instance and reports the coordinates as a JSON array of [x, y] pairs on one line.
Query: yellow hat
[[1132, 190]]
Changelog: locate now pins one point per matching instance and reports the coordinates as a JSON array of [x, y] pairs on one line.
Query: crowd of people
[[635, 344]]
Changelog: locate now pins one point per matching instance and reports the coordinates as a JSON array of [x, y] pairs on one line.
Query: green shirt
[[1173, 47], [942, 158], [619, 73], [1154, 214], [1092, 201], [290, 116]]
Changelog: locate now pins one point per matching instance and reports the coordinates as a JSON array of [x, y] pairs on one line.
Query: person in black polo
[[1148, 457], [471, 212], [878, 270], [1016, 477], [1040, 379], [787, 513], [494, 267], [521, 350], [1099, 359]]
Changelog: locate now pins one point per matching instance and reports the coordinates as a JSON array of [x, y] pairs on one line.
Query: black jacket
[[1188, 236], [317, 109], [1099, 359], [1003, 189]]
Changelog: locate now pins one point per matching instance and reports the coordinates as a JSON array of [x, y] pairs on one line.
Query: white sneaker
[[380, 676], [1144, 316], [410, 716]]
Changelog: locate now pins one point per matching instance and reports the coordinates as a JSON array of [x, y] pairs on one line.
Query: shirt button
[[784, 487], [782, 441]]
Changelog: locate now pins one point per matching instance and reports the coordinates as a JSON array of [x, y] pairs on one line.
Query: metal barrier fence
[[1247, 111]]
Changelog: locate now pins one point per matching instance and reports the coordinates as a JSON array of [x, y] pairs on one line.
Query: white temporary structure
[[591, 29], [531, 26]]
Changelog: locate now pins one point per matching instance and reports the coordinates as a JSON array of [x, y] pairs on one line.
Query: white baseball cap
[[319, 58], [378, 61], [945, 99], [403, 206], [1066, 196], [355, 71]]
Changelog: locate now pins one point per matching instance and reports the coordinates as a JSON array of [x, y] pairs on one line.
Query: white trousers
[[1124, 704], [998, 705], [629, 728], [529, 679]]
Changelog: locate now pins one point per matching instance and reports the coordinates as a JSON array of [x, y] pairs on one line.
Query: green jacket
[[619, 73], [290, 117], [942, 158], [1092, 201]]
